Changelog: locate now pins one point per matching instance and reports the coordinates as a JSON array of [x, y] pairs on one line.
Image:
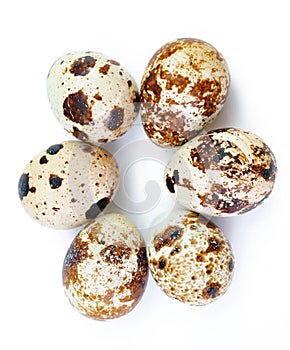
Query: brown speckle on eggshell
[[189, 258], [105, 270], [183, 89], [222, 173]]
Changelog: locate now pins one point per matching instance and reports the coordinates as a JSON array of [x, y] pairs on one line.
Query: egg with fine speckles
[[105, 270], [93, 97], [189, 258], [68, 184], [183, 89], [224, 172]]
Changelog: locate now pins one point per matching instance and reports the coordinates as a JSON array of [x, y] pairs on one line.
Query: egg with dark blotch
[[105, 270], [93, 97], [183, 89], [189, 258], [68, 184], [224, 172]]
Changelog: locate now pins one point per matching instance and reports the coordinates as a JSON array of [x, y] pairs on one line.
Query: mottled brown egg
[[189, 258], [183, 89], [93, 97], [105, 270], [68, 184], [222, 173]]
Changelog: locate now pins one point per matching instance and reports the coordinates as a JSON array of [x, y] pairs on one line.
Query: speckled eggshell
[[183, 89], [93, 97], [222, 173], [68, 184], [190, 259], [105, 270]]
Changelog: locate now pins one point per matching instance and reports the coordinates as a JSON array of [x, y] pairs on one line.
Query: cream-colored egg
[[222, 173], [105, 270], [183, 89], [189, 258], [68, 184], [93, 97]]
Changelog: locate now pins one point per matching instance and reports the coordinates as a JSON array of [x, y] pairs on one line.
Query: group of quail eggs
[[222, 172]]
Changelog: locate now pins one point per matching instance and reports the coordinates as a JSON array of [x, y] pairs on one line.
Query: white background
[[253, 36]]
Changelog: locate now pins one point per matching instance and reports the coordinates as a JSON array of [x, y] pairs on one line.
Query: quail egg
[[68, 184], [93, 97], [189, 258], [105, 270], [224, 172], [183, 89]]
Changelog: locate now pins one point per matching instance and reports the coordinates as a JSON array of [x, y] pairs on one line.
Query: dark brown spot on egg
[[150, 89], [200, 258], [221, 153], [114, 62], [142, 259], [32, 190], [103, 140], [170, 184], [231, 265], [55, 181], [232, 205], [196, 160], [175, 250], [82, 66], [179, 81], [162, 263], [54, 149], [167, 237], [98, 97], [77, 252], [114, 254], [208, 94], [96, 208], [79, 134], [43, 160], [269, 173], [209, 269], [23, 186], [116, 118], [77, 109], [214, 245], [211, 290], [104, 69], [129, 82]]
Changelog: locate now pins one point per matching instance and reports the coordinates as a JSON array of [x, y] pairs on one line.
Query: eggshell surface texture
[[222, 173], [68, 184], [190, 259], [183, 89], [93, 97], [105, 270]]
